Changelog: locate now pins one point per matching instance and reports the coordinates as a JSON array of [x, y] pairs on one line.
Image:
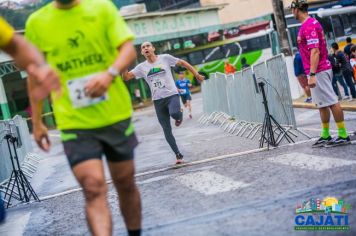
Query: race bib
[[158, 83], [77, 93], [183, 91]]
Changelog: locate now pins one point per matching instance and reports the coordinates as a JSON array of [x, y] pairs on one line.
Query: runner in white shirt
[[156, 71]]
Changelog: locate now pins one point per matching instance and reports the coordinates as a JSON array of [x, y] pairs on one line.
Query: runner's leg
[[90, 175], [165, 121], [123, 176], [189, 105], [174, 108]]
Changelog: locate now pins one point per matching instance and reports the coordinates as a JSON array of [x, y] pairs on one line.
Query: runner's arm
[[27, 57], [40, 131], [191, 69], [99, 84], [189, 83], [23, 52], [126, 57], [126, 75], [314, 59]]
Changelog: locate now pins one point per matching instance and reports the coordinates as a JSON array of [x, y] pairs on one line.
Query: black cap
[[300, 4]]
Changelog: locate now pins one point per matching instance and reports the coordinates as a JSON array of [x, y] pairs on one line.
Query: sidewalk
[[345, 104]]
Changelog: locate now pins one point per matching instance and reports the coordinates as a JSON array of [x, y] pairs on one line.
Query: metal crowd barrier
[[231, 101], [27, 159]]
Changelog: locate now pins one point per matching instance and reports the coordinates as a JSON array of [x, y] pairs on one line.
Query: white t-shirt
[[158, 76]]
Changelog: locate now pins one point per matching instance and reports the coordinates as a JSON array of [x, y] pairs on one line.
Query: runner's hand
[[98, 85], [45, 80], [312, 81], [40, 133], [200, 78]]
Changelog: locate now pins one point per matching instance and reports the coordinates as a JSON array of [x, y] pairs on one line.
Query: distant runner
[[184, 86], [156, 70]]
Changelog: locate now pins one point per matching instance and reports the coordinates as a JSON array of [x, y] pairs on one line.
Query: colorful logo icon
[[328, 214]]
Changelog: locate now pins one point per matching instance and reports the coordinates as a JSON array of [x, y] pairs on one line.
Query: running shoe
[[322, 142], [308, 100], [178, 122], [179, 157], [190, 116], [338, 141]]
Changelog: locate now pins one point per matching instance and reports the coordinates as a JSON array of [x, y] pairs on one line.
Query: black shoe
[[178, 122], [322, 142], [179, 157], [338, 141]]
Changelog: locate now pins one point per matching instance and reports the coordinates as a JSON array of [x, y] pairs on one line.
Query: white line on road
[[209, 183], [310, 162]]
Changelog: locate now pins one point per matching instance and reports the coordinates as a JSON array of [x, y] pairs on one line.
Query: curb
[[344, 107]]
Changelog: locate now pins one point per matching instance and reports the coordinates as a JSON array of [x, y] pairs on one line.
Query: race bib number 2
[[158, 83], [77, 94]]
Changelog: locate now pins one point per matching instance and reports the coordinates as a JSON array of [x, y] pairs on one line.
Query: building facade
[[157, 5], [240, 10]]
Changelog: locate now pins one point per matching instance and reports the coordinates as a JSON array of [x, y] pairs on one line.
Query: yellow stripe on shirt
[[6, 32]]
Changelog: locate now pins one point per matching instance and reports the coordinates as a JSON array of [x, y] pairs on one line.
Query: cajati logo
[[328, 214]]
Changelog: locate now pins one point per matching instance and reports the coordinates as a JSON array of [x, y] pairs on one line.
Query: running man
[[156, 70], [184, 86], [89, 43], [313, 49], [28, 58]]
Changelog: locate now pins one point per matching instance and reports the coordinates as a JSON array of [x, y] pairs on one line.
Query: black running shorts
[[185, 98], [116, 141]]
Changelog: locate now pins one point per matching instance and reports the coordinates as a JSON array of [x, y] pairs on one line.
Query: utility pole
[[279, 17]]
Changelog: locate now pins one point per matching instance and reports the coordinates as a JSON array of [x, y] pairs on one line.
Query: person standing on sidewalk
[[347, 48], [338, 77], [301, 76], [89, 43], [184, 86], [313, 49], [28, 58], [244, 64], [156, 71], [345, 68]]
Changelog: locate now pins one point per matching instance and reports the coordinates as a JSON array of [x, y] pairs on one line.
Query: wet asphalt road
[[240, 194]]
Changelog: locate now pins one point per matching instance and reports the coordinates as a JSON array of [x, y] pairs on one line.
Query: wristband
[[311, 74], [113, 72]]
